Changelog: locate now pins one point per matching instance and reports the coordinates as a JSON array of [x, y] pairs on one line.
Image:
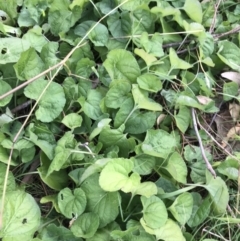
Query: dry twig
[[209, 166], [215, 16], [215, 235], [220, 35], [22, 106]]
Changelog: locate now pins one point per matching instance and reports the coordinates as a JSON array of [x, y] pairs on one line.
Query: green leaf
[[21, 216], [152, 45], [49, 107], [126, 108], [86, 225], [182, 207], [193, 9], [104, 234], [143, 164], [5, 87], [115, 137], [72, 120], [132, 4], [142, 20], [177, 167], [121, 64], [48, 54], [148, 58], [119, 24], [166, 28], [100, 126], [149, 82], [10, 7], [57, 233], [218, 191], [62, 152], [229, 168], [117, 94], [136, 121], [206, 45], [51, 198], [194, 28], [230, 90], [11, 49], [99, 35], [43, 139], [158, 143], [84, 68], [105, 204], [142, 101], [35, 37], [115, 175], [229, 53], [183, 118], [193, 155], [25, 149], [11, 185], [29, 65], [139, 122], [106, 6], [91, 105], [57, 180], [36, 9], [72, 204], [177, 63], [189, 101], [60, 21], [146, 189], [12, 128], [25, 19], [169, 232], [154, 212], [201, 210], [82, 28]]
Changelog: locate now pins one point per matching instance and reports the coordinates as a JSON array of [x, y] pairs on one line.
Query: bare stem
[[209, 166], [215, 16], [215, 235]]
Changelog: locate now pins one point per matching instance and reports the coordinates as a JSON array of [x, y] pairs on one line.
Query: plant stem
[[209, 166]]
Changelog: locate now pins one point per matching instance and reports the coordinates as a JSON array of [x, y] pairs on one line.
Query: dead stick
[[232, 214], [209, 166], [220, 35], [22, 106], [215, 16], [27, 178]]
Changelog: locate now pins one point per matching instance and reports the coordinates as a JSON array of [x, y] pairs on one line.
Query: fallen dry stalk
[[209, 166]]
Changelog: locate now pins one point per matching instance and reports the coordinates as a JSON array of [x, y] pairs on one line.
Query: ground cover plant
[[119, 120]]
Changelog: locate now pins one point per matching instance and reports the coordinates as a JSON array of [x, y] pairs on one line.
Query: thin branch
[[186, 50], [32, 79], [215, 16], [220, 35], [209, 166], [27, 178], [215, 235], [176, 44], [22, 106], [232, 214], [219, 145]]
